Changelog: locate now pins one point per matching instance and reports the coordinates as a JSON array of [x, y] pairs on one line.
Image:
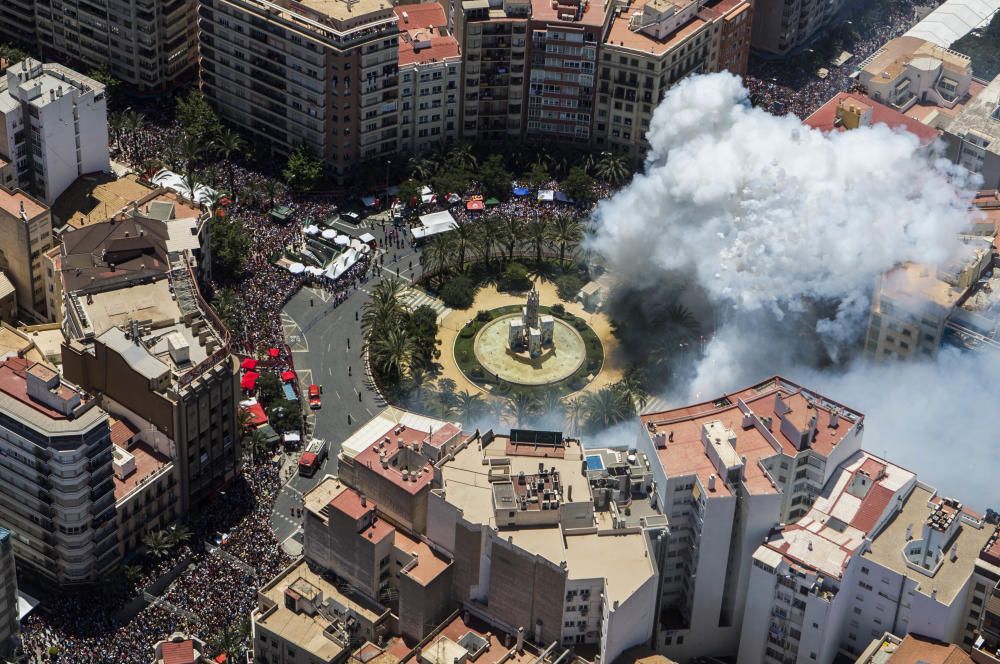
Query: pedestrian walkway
[[411, 298]]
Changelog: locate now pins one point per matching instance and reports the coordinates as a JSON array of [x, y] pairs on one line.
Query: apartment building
[[881, 552], [147, 492], [565, 38], [724, 472], [147, 44], [909, 70], [9, 624], [345, 535], [322, 73], [532, 551], [25, 235], [652, 44], [140, 335], [915, 306], [391, 458], [302, 616], [493, 39], [56, 477], [781, 27], [53, 126], [973, 136], [430, 78], [982, 625]]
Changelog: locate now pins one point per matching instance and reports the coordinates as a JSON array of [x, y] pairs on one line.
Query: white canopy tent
[[434, 223]]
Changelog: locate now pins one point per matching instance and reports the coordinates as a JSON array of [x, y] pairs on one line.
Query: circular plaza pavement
[[556, 363]]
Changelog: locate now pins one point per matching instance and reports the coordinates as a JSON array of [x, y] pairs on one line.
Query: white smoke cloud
[[770, 217]]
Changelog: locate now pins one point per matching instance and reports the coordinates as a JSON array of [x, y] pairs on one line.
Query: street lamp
[[388, 163]]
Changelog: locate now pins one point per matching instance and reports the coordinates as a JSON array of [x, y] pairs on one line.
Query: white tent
[[546, 194], [329, 234], [953, 20], [426, 195], [168, 179], [296, 268], [367, 238], [432, 224], [311, 229], [342, 240]]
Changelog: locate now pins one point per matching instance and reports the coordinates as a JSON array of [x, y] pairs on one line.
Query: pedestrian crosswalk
[[411, 298]]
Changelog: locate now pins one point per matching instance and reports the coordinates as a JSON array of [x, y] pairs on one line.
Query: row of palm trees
[[501, 236], [611, 167], [388, 342], [587, 413]]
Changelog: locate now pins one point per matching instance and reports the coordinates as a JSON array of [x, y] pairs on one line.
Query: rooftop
[[888, 545], [96, 197], [421, 16], [592, 14], [977, 117], [682, 448], [894, 56], [426, 564], [622, 35], [459, 628], [114, 253], [857, 498], [339, 11], [426, 431], [12, 200], [913, 649], [425, 47], [828, 116], [39, 396], [148, 462], [16, 342]]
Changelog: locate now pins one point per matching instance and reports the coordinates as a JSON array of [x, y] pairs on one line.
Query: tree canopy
[[304, 171]]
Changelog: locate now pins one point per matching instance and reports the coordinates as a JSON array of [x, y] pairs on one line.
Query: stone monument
[[530, 332]]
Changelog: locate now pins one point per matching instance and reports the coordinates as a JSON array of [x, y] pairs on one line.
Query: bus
[[312, 457]]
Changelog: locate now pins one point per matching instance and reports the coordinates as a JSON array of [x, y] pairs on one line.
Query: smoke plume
[[783, 231]]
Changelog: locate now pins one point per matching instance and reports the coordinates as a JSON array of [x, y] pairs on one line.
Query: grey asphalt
[[326, 346]]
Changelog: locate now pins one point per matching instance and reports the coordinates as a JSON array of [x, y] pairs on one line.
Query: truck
[[312, 457]]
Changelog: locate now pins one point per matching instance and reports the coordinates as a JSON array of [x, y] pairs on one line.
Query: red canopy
[[257, 414], [475, 205], [287, 375], [249, 380], [249, 364], [273, 352]]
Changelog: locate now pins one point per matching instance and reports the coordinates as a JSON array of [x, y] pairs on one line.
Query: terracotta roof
[[424, 15], [621, 34], [122, 432], [178, 653], [441, 47], [921, 650], [872, 507], [10, 202], [825, 117], [349, 502]]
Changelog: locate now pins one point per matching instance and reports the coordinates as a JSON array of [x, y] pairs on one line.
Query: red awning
[[287, 375], [248, 364], [475, 205], [257, 415], [273, 352], [249, 380]]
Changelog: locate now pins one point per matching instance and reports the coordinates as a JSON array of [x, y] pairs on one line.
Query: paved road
[[326, 344]]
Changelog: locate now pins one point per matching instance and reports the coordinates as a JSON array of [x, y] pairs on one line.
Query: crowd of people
[[213, 594], [793, 85]]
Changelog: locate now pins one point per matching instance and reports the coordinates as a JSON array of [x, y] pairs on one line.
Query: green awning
[[270, 435], [492, 201], [281, 213]]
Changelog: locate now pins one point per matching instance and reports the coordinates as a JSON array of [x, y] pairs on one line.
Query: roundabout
[[555, 363]]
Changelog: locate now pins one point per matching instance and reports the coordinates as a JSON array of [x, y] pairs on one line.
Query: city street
[[326, 345]]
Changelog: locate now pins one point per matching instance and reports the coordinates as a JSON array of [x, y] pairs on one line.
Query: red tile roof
[[825, 117], [178, 653], [349, 503], [440, 48], [122, 432], [424, 15], [872, 507]]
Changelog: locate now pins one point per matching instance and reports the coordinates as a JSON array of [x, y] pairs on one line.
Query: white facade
[[428, 110], [55, 126]]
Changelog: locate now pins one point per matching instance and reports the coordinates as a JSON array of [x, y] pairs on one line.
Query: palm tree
[[590, 163], [485, 238], [116, 122], [576, 411], [496, 408], [271, 191], [421, 169], [463, 237], [522, 406], [612, 167], [227, 145], [468, 406], [133, 573], [552, 407], [631, 385], [462, 156], [190, 152], [439, 255], [565, 231], [178, 534], [257, 444], [510, 230], [132, 125], [382, 310], [537, 231], [157, 544], [390, 353], [607, 407]]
